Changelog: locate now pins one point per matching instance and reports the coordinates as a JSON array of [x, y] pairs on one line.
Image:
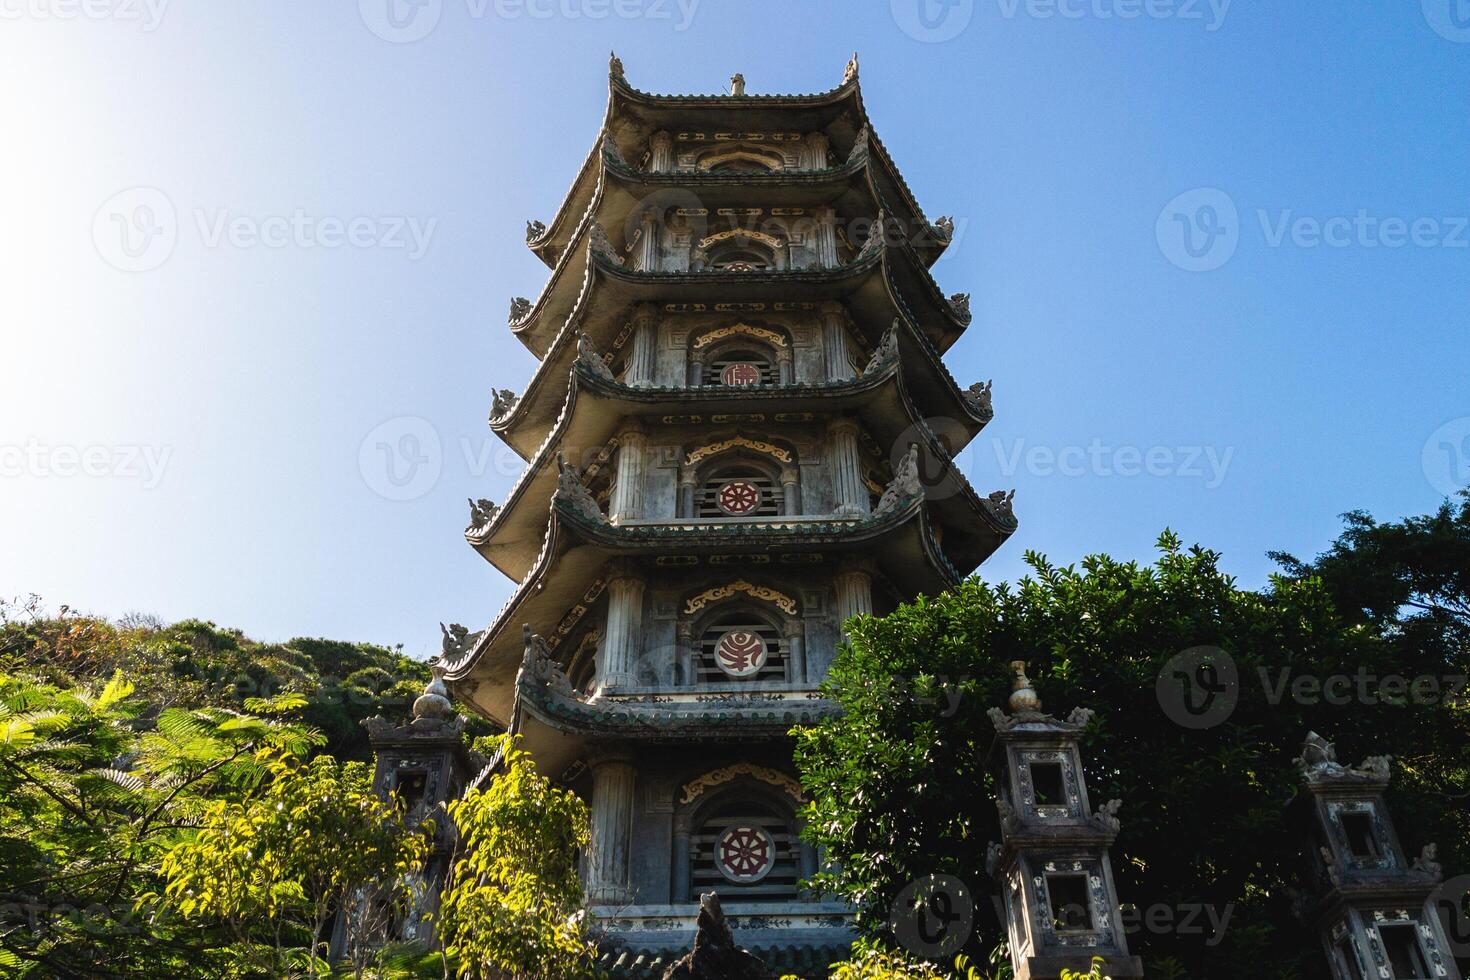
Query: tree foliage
[[899, 788], [276, 865], [513, 905]]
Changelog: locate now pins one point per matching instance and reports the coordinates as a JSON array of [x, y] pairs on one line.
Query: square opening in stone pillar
[[409, 787], [1048, 784], [1405, 954], [1071, 906], [1357, 828]]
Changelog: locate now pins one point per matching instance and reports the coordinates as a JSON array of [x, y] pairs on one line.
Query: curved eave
[[555, 240], [607, 288], [576, 549], [594, 410]]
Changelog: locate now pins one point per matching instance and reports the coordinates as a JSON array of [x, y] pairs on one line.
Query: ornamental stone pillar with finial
[[1052, 860], [422, 764], [1372, 907]]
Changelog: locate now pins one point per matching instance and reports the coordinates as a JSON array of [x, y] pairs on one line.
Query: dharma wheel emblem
[[738, 498], [745, 854], [741, 373], [740, 653]]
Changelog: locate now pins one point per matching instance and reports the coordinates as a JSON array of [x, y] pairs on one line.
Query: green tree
[[899, 788], [275, 866], [513, 904], [95, 792]]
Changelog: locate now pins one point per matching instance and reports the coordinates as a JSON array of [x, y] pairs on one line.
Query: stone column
[[696, 370], [682, 845], [847, 472], [814, 151], [826, 238], [648, 243], [612, 830], [784, 367], [796, 671], [684, 654], [834, 342], [643, 356], [627, 492], [686, 491], [790, 491], [854, 585], [624, 634], [661, 152]]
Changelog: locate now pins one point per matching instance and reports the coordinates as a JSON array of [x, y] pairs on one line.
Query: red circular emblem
[[745, 854], [738, 498], [740, 653], [741, 373]]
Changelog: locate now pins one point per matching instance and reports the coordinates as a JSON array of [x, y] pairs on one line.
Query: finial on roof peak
[[852, 69], [1023, 698], [737, 84], [615, 66]]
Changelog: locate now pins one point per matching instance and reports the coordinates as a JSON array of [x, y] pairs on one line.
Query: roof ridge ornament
[[978, 397], [539, 668], [615, 67], [482, 514], [601, 245], [875, 237], [850, 73], [960, 303], [588, 357], [534, 229], [502, 403], [1001, 504], [434, 702], [886, 352], [570, 488], [520, 308], [737, 85], [905, 484], [1318, 764]]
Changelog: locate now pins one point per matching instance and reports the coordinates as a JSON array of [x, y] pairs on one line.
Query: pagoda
[[741, 433]]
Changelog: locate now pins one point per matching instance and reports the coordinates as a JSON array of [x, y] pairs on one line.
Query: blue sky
[[324, 225]]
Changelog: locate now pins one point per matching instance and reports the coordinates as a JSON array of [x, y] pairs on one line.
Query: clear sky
[[238, 238]]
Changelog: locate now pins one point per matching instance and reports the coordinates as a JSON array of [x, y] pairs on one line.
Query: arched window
[[745, 846], [741, 160], [737, 258], [740, 645], [739, 488], [740, 366]]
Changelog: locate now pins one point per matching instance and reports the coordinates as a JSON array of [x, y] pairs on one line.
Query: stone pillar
[[624, 634], [648, 243], [686, 491], [814, 151], [834, 342], [684, 654], [696, 370], [796, 652], [612, 829], [643, 357], [661, 152], [784, 367], [790, 491], [826, 238], [847, 471], [627, 492], [854, 585], [682, 845]]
